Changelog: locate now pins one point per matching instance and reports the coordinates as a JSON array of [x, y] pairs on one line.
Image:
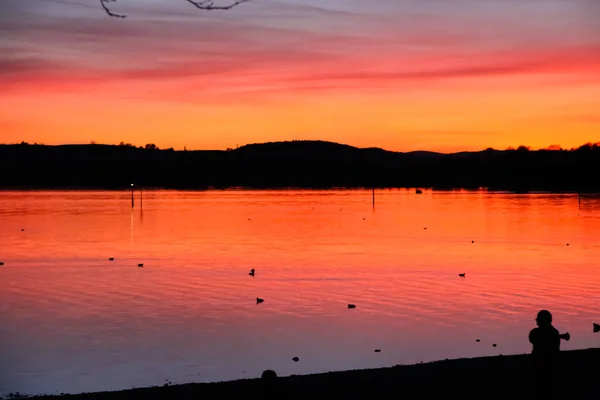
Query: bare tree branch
[[210, 4], [110, 13], [200, 4]]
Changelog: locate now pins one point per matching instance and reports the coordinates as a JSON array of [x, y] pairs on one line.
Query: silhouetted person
[[545, 338], [546, 348]]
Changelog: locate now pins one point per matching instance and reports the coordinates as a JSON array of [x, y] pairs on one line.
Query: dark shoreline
[[483, 377], [306, 164]]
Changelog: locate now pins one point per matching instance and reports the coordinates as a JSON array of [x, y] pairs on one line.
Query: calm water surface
[[73, 321]]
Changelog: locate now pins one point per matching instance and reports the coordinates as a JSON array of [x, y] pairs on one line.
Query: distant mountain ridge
[[332, 146], [318, 164]]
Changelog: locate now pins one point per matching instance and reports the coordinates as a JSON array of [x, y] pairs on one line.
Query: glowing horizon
[[400, 76]]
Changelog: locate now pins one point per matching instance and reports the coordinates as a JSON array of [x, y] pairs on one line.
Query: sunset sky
[[442, 75]]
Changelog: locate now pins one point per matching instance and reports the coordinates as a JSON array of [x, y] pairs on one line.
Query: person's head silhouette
[[544, 318]]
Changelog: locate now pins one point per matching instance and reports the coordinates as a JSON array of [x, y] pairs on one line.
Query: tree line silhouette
[[309, 164]]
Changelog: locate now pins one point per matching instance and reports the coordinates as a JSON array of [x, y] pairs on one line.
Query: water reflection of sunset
[[190, 313]]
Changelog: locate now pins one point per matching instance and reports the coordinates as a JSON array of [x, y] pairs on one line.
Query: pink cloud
[[299, 52]]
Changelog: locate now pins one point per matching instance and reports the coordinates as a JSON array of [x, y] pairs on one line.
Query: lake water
[[73, 321]]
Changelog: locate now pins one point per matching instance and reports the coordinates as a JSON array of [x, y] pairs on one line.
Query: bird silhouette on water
[[462, 275], [140, 265], [596, 328], [111, 259], [351, 306], [251, 272], [259, 300]]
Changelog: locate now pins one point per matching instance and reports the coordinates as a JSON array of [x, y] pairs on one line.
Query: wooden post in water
[[579, 197], [373, 197], [141, 195], [132, 202]]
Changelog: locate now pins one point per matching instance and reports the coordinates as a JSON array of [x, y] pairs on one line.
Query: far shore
[[486, 377], [127, 190], [309, 164]]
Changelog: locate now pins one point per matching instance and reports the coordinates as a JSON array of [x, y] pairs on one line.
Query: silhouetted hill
[[296, 163]]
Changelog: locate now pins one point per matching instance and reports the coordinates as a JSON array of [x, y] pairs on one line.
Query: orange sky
[[398, 75]]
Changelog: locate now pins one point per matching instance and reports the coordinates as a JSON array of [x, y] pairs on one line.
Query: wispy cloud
[[287, 33], [593, 119]]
